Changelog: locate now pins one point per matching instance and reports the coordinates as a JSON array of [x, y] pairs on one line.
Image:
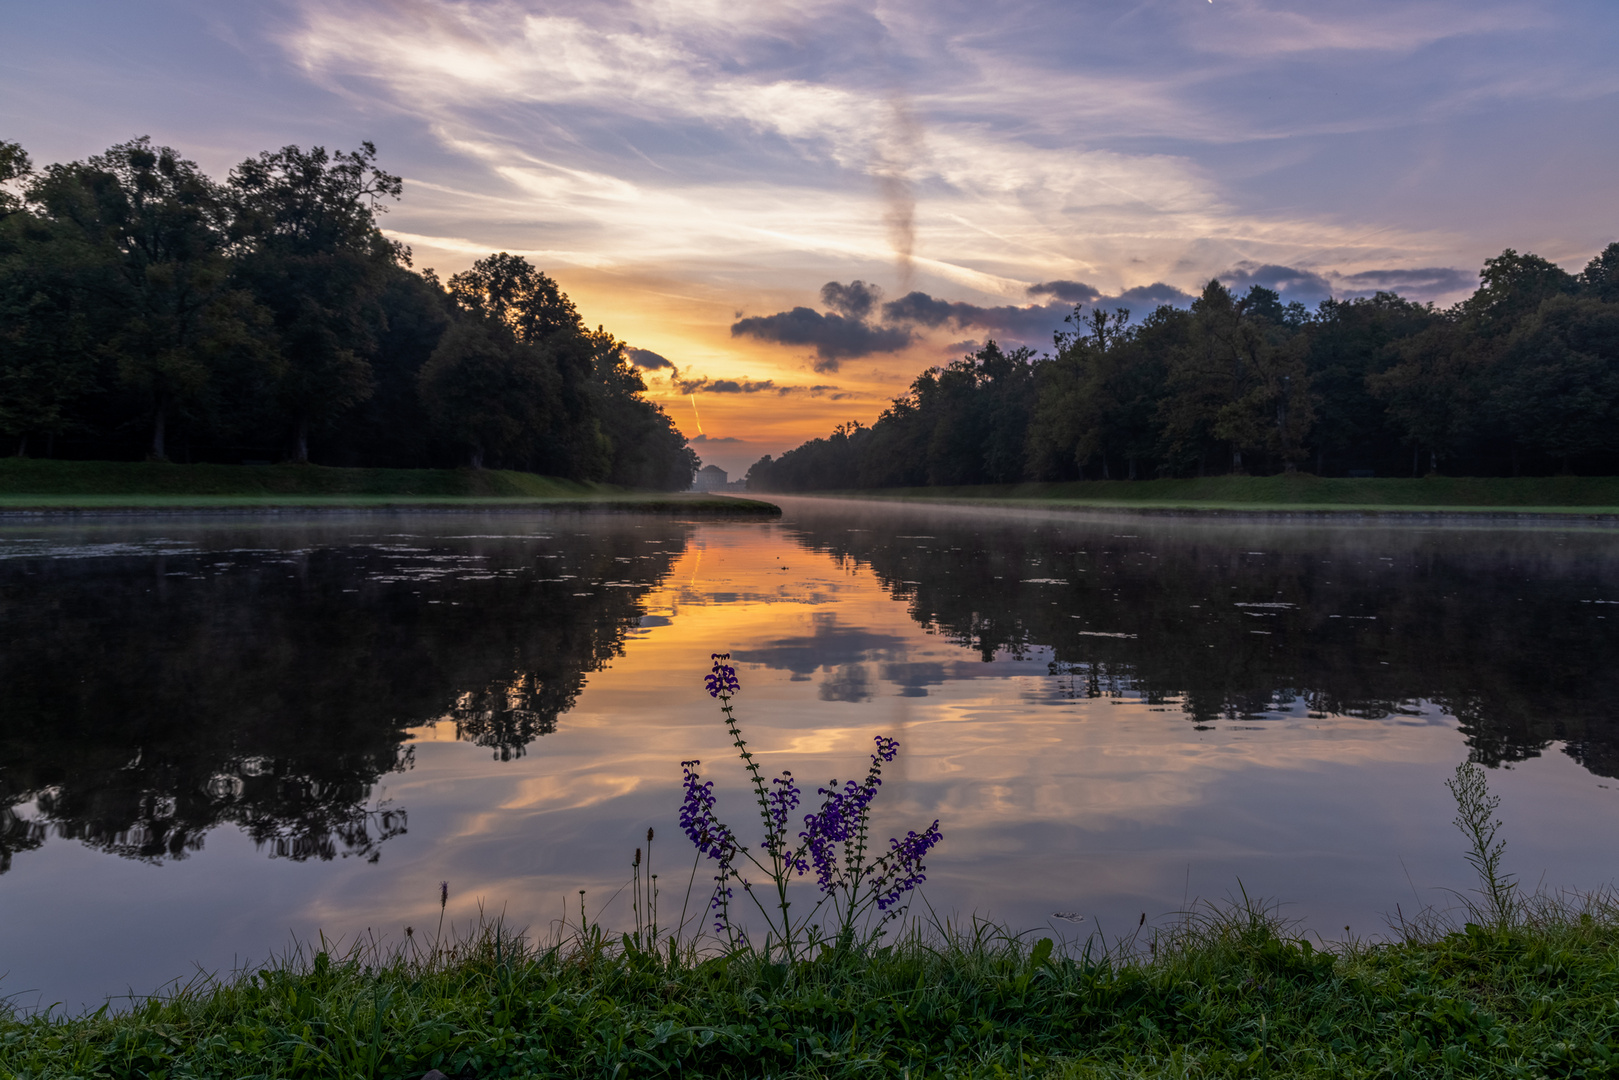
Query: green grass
[[31, 484], [1226, 993], [1302, 492]]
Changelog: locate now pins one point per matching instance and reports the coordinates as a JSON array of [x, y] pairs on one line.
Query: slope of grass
[[34, 484], [1228, 993], [1302, 492]]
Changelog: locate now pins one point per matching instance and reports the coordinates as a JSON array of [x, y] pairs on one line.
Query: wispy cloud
[[693, 171]]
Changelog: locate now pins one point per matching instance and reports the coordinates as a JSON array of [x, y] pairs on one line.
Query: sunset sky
[[694, 173]]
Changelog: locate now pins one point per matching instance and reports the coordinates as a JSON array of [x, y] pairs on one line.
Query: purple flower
[[782, 801], [904, 870], [721, 681], [842, 813], [698, 819]]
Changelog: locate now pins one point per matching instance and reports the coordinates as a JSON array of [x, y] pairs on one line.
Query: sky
[[790, 209]]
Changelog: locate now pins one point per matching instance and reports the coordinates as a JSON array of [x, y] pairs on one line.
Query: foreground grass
[[100, 485], [1229, 993], [1301, 492]]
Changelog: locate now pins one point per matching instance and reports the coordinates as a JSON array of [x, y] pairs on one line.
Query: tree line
[[1521, 378], [147, 309]]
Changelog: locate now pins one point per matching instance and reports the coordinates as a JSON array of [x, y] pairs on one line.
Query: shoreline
[[1599, 515], [1296, 497], [14, 508]]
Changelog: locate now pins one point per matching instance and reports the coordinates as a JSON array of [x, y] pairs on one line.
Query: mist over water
[[216, 734]]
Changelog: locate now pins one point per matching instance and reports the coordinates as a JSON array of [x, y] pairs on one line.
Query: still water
[[217, 735]]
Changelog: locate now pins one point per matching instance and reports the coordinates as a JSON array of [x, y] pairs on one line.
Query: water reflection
[[155, 691], [1109, 717], [1506, 629]]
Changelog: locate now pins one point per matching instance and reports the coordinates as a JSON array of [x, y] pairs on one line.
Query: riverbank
[[1298, 493], [1228, 992], [30, 487]]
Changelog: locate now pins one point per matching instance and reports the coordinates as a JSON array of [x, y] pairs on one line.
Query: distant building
[[709, 478]]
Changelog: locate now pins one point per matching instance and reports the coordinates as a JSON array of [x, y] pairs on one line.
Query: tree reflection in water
[[1506, 628], [151, 698]]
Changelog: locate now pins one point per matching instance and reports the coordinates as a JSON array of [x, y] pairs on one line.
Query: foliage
[[147, 309], [1520, 378]]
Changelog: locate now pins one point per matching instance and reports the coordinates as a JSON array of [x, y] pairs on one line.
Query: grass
[[1528, 987], [32, 484], [1300, 492], [1224, 992]]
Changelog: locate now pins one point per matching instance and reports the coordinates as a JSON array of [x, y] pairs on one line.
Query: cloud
[[835, 337], [1024, 323], [712, 440], [648, 360], [1290, 282], [1073, 292], [854, 300], [1432, 280], [1147, 296], [705, 385]]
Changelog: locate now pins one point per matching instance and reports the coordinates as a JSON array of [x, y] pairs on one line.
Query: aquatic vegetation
[[860, 891]]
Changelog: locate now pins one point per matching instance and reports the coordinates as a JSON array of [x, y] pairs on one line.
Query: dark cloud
[[1025, 323], [711, 440], [1429, 280], [648, 360], [855, 300], [835, 338], [1071, 292], [1290, 282], [1144, 297], [861, 325], [704, 385]]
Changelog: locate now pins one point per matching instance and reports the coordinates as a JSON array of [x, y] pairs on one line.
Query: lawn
[[1301, 493], [31, 484]]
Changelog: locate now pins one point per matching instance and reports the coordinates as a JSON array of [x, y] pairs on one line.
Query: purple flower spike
[[886, 747], [721, 681], [697, 817], [906, 871]]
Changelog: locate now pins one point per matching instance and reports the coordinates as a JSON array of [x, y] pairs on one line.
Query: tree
[[648, 451], [508, 290], [1559, 391], [312, 253], [1600, 279], [15, 167], [144, 231], [1511, 288], [47, 334], [1239, 380], [1431, 392], [1348, 342], [1097, 398], [486, 392]]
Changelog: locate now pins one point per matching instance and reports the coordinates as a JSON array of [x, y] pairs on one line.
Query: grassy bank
[[1227, 993], [1301, 493], [141, 485]]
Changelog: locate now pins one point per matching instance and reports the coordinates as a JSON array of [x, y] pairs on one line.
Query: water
[[217, 735]]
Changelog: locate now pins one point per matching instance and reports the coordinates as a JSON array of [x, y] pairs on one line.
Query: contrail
[[899, 153], [696, 414]]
